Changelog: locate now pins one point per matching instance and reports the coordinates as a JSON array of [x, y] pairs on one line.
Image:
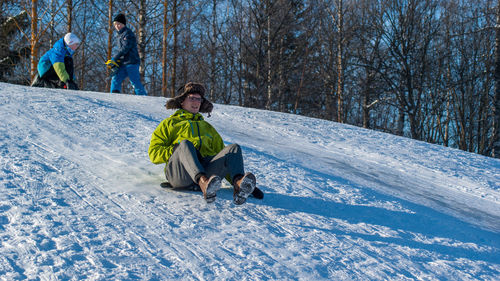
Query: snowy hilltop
[[80, 199]]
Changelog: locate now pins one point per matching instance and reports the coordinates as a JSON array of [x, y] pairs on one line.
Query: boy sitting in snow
[[194, 152]]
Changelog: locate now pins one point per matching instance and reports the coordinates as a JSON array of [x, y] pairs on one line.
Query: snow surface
[[80, 199]]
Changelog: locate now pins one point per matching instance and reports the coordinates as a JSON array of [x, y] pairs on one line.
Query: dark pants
[[50, 79], [185, 165]]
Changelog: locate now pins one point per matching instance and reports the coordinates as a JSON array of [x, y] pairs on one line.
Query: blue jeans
[[132, 71]]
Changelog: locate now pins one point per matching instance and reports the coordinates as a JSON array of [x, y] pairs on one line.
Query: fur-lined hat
[[184, 91]]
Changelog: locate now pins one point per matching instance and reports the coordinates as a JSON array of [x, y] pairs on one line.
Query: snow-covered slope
[[80, 200]]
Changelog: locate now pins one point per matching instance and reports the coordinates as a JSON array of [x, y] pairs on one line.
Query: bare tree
[[69, 8], [164, 58], [110, 40], [340, 61], [141, 40], [370, 54], [173, 72], [11, 53], [83, 48], [34, 37], [37, 32], [496, 99], [411, 33], [268, 50]]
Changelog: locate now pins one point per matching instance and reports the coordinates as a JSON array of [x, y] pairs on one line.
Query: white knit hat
[[71, 39]]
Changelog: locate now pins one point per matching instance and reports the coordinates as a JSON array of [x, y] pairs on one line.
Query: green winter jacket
[[183, 125]]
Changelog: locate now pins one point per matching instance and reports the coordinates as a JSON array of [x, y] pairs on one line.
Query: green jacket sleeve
[[160, 148], [60, 69], [218, 142]]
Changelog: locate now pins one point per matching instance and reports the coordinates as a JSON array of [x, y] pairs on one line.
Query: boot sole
[[247, 186], [213, 187]]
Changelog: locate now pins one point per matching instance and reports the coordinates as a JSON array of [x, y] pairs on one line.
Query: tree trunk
[[142, 37], [281, 76], [401, 122], [34, 39], [240, 65], [213, 52], [340, 61], [52, 25], [110, 38], [365, 105], [164, 75], [496, 98], [301, 82], [83, 61], [70, 14], [175, 50], [269, 70]]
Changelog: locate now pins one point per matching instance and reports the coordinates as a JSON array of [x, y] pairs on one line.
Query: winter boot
[[209, 187], [243, 187]]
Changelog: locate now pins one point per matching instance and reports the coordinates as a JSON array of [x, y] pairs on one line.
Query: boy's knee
[[234, 147], [186, 143]]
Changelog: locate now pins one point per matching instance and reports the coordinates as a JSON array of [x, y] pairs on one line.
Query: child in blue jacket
[[126, 62], [55, 68]]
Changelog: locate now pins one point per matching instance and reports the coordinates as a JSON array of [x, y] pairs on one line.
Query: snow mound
[[81, 201]]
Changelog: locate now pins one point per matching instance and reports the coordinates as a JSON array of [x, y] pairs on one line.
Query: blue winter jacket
[[127, 47], [55, 57]]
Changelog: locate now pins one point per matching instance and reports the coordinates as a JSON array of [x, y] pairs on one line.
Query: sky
[[80, 200]]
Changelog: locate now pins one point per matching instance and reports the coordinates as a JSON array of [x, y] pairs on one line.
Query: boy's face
[[192, 103], [74, 46], [118, 25]]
